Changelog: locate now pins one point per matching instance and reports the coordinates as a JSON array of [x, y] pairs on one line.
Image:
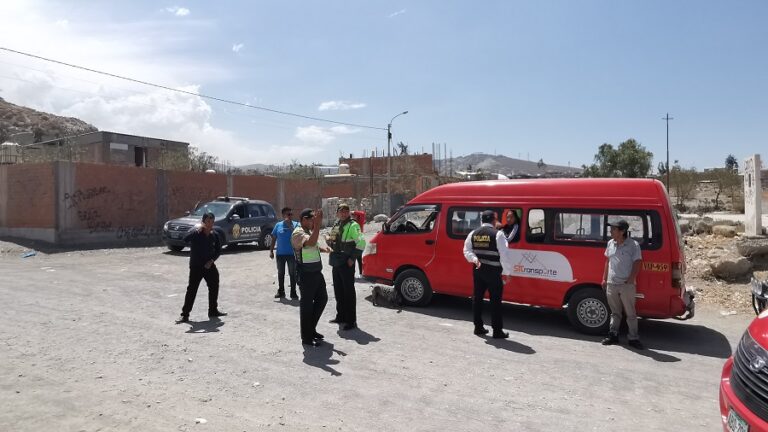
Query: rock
[[724, 230], [702, 227], [752, 246], [380, 218], [731, 267]]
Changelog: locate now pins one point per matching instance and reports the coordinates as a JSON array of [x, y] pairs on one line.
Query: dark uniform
[[203, 248], [314, 295], [482, 243]]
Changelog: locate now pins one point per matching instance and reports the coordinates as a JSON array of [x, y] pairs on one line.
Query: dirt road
[[89, 344]]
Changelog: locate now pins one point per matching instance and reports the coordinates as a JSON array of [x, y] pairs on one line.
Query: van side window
[[638, 227], [510, 219], [536, 231], [414, 219], [579, 226], [464, 220]]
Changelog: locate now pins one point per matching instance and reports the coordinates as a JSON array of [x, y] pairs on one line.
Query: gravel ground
[[90, 344]]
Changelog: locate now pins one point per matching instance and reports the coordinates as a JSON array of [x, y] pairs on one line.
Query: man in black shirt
[[205, 248]]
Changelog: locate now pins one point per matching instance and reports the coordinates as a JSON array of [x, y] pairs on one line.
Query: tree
[[726, 181], [731, 163], [201, 161], [630, 159], [684, 183]]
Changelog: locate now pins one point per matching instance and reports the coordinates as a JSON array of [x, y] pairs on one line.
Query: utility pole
[[667, 119], [389, 163]]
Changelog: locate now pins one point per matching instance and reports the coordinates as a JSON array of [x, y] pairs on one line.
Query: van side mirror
[[385, 227], [187, 213]]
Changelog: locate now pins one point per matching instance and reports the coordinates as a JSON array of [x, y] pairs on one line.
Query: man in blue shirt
[[282, 233]]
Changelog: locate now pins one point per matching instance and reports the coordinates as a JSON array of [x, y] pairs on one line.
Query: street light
[[389, 163], [668, 118]]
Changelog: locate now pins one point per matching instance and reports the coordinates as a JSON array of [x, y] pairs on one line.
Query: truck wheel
[[266, 241], [588, 311], [176, 248], [414, 287]]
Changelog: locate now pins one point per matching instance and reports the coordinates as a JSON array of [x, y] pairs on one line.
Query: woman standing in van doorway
[[622, 264]]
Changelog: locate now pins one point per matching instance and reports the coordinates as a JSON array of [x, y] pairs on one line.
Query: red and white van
[[744, 381], [558, 257]]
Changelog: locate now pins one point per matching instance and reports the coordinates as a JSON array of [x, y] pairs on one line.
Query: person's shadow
[[210, 326], [358, 335], [320, 357], [509, 345], [659, 357]]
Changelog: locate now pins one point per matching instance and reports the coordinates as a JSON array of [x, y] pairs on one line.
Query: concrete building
[[111, 148]]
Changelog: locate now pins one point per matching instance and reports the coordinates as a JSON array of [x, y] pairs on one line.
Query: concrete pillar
[[64, 178], [230, 185], [162, 197], [753, 194], [281, 193]]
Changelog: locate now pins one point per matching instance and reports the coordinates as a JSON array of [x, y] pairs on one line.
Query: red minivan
[[557, 258], [744, 381]]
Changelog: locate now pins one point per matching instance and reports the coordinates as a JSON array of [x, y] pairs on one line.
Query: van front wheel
[[588, 311], [414, 287]]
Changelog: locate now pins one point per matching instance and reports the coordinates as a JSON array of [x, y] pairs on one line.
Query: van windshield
[[218, 209], [420, 218]]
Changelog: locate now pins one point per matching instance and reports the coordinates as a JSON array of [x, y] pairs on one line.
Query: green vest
[[309, 256]]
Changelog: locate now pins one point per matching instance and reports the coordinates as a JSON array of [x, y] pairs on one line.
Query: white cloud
[[237, 47], [178, 11], [340, 106], [394, 14], [62, 23], [322, 135]]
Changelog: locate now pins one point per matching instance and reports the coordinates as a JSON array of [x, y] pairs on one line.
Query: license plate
[[175, 235], [736, 423]]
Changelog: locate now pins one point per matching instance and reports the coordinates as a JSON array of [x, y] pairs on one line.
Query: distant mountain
[[36, 125], [504, 165]]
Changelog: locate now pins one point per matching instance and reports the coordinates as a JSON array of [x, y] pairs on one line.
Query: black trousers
[[197, 274], [314, 297], [344, 290], [282, 260], [485, 279]]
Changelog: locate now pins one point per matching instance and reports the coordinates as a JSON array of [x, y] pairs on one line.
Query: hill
[[37, 125], [506, 165]]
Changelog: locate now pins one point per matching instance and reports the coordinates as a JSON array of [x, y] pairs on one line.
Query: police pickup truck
[[238, 220]]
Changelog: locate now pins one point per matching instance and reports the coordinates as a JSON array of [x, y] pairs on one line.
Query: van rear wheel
[[588, 311], [414, 287]]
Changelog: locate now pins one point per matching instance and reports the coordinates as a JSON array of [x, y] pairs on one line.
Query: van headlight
[[165, 226], [757, 357], [370, 249]]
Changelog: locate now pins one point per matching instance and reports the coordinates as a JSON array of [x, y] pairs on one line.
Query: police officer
[[310, 269], [481, 248], [347, 244], [205, 249]]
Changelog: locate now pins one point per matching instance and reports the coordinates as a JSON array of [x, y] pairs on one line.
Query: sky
[[549, 80]]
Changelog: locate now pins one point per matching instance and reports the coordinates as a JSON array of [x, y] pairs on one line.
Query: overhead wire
[[201, 95]]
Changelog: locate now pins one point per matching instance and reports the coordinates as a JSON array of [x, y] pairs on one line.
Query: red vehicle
[[744, 381], [558, 258]]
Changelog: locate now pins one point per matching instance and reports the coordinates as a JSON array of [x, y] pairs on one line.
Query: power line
[[186, 92]]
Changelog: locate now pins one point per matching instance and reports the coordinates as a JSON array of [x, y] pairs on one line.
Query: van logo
[[756, 364], [538, 265]]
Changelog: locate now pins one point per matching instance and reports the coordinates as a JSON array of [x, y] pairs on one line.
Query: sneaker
[[182, 319], [216, 313], [311, 343], [280, 294], [636, 344], [610, 340], [500, 334], [350, 326], [318, 336], [294, 296], [481, 331]]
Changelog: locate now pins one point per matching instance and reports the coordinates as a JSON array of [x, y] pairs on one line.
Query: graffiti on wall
[[82, 196]]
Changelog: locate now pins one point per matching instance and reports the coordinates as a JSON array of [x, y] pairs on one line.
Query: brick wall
[[299, 194], [29, 196], [186, 188], [256, 187], [410, 164]]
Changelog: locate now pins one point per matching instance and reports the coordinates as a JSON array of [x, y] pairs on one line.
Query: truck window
[[536, 231], [254, 210], [415, 219]]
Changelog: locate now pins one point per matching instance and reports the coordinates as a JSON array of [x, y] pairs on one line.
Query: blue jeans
[[281, 261]]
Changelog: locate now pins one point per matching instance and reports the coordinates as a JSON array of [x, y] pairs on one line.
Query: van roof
[[598, 189]]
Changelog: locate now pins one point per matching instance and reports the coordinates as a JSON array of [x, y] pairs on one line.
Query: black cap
[[487, 216], [307, 213], [620, 224]]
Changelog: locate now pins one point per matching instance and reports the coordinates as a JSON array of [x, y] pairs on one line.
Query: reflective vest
[[308, 257], [347, 238], [484, 246]]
